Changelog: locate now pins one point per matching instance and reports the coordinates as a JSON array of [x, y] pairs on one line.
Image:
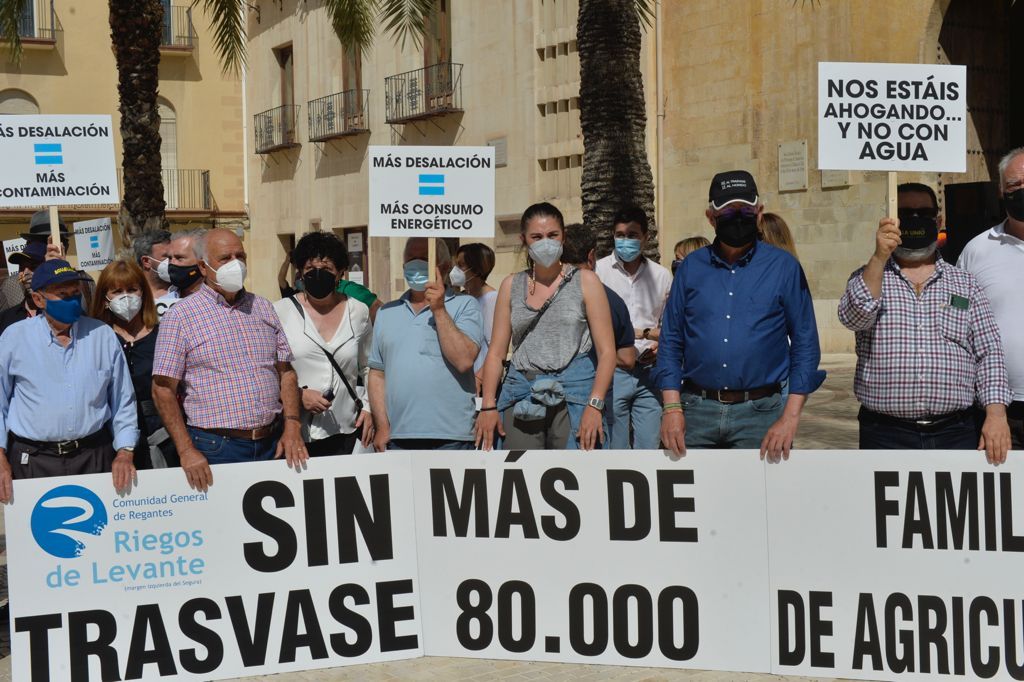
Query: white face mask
[[162, 270], [126, 306], [231, 276], [546, 252], [457, 277]]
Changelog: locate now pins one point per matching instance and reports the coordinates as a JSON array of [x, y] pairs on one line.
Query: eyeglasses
[[728, 214], [923, 212]]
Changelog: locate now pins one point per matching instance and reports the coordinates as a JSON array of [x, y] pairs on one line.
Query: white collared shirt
[[996, 259], [645, 292]]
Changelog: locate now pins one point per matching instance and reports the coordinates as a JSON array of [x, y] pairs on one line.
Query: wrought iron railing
[[343, 113], [422, 93], [185, 189], [38, 21], [178, 30], [276, 128]]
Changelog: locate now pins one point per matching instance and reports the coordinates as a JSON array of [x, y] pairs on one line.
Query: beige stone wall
[[78, 75], [737, 85]]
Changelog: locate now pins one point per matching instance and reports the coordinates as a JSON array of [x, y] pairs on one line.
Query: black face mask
[[319, 283], [184, 276], [1014, 203], [918, 230], [736, 230]]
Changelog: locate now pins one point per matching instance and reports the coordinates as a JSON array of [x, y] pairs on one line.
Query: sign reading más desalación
[[57, 161], [432, 192], [892, 117]]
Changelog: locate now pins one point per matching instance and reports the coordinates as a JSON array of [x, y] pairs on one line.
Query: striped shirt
[[927, 355], [226, 357]]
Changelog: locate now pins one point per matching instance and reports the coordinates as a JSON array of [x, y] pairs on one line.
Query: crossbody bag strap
[[330, 358], [543, 309]]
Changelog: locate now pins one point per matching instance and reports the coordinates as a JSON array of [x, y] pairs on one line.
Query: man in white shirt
[[644, 286], [996, 258]]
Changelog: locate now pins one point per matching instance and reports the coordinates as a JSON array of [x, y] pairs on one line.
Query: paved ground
[[829, 422]]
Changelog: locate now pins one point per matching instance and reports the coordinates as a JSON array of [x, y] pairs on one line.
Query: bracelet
[[489, 409], [292, 417], [669, 406]]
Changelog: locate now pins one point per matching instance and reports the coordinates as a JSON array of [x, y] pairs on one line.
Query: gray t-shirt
[[561, 334]]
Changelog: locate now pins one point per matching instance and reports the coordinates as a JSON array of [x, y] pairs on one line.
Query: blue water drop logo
[[64, 519]]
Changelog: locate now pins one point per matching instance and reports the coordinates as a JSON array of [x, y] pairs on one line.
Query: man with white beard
[[928, 347]]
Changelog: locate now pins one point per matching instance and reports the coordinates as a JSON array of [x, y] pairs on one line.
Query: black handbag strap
[[330, 358], [543, 309]]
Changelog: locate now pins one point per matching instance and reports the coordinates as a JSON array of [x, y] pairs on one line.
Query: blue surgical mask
[[627, 249], [416, 274], [65, 310], [546, 252]]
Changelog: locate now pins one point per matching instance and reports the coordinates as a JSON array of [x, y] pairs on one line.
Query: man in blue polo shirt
[[421, 386], [66, 399], [739, 322]]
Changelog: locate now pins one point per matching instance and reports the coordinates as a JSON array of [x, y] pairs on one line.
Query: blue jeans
[[225, 450], [880, 433], [635, 400], [577, 381], [430, 444], [711, 424]]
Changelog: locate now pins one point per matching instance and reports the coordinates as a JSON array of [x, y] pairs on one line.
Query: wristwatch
[[647, 333], [597, 404]]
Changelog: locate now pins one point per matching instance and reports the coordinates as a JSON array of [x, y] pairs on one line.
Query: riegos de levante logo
[[66, 518]]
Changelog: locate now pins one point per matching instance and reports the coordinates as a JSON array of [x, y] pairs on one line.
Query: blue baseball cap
[[54, 272], [34, 253]]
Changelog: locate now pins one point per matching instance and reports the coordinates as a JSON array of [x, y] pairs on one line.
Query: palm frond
[[354, 22], [645, 12], [10, 17], [406, 18], [227, 20]]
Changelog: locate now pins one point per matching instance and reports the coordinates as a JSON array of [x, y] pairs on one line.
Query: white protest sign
[[892, 117], [432, 192], [625, 558], [897, 565], [270, 571], [94, 241], [57, 160], [13, 246]]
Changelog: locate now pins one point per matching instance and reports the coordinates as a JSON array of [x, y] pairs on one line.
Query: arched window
[[168, 134], [17, 102]]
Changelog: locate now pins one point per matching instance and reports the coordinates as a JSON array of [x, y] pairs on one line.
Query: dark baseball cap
[[39, 226], [737, 185], [54, 272], [33, 253]]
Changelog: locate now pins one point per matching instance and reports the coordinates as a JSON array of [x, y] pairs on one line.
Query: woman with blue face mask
[[551, 315]]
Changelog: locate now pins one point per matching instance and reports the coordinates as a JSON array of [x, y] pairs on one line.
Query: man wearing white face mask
[[421, 385], [152, 250], [644, 286], [227, 347]]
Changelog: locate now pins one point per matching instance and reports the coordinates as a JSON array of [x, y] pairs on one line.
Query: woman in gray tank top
[[550, 316]]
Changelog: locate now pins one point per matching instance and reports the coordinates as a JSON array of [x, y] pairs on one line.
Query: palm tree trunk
[[136, 28], [615, 167]]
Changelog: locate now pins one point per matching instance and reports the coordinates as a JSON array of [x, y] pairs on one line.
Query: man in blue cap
[[63, 377]]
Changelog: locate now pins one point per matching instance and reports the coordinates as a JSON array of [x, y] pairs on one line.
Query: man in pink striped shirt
[[226, 347]]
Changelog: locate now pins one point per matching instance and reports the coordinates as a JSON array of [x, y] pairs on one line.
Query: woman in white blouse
[[330, 336]]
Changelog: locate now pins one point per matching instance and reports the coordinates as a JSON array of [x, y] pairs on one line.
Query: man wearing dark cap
[[738, 323], [66, 397], [30, 258]]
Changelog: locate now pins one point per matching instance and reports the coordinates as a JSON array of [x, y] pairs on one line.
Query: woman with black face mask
[[330, 336]]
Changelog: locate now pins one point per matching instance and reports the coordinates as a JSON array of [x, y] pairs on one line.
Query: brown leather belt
[[731, 397], [247, 434]]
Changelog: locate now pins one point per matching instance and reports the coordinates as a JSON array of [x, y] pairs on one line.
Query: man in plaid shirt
[[927, 344]]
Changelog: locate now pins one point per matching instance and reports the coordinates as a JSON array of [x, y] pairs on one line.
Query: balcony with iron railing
[[179, 33], [276, 129], [423, 93], [338, 115], [185, 189], [38, 25]]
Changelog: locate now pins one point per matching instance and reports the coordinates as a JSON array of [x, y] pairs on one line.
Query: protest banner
[[11, 246], [432, 192], [57, 160], [94, 241], [896, 565], [892, 117], [269, 571], [626, 558]]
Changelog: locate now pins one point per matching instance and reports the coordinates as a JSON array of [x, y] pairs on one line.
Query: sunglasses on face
[[925, 212], [728, 214]]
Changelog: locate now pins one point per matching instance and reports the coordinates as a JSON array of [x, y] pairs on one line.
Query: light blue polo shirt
[[426, 396]]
